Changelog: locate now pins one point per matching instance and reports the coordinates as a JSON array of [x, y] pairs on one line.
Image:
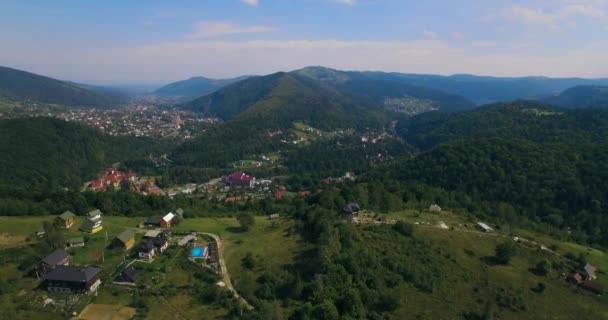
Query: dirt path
[[224, 270]]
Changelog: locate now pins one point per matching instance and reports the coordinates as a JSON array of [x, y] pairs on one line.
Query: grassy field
[[271, 242]]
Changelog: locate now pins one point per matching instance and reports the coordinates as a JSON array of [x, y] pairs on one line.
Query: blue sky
[[116, 41]]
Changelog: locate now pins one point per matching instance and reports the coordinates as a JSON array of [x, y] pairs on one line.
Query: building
[[593, 286], [152, 234], [435, 208], [161, 243], [180, 212], [589, 272], [125, 240], [65, 220], [147, 251], [239, 179], [73, 279], [575, 278], [129, 274], [187, 240], [92, 224], [274, 216], [484, 227], [153, 221], [58, 258], [350, 212], [165, 222], [75, 242]]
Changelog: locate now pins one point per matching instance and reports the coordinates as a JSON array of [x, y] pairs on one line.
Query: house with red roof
[[239, 179]]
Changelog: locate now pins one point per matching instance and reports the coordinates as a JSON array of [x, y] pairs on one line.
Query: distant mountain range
[[195, 87], [17, 85], [581, 97], [483, 89]]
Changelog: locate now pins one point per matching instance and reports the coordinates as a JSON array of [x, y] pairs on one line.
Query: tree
[[505, 252], [248, 261], [406, 229], [246, 220], [542, 267], [53, 237]]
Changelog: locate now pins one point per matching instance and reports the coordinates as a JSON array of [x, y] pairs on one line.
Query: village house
[[65, 220], [165, 222], [147, 250], [350, 212], [589, 272], [187, 240], [75, 242], [180, 212], [129, 274], [151, 234], [239, 179], [125, 240], [73, 279], [575, 278], [593, 286], [92, 224], [484, 227], [153, 221], [274, 216], [58, 258]]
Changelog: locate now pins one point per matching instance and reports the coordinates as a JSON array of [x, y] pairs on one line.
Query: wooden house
[[65, 220], [58, 258], [125, 240], [165, 222]]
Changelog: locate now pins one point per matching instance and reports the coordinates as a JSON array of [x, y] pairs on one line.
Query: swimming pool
[[196, 252], [199, 252]]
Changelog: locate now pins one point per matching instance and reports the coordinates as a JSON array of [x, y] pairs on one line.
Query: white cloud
[[430, 34], [457, 35], [346, 2], [209, 29], [565, 14], [179, 60], [250, 2]]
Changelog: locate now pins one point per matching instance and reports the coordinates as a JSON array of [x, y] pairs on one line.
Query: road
[[224, 270]]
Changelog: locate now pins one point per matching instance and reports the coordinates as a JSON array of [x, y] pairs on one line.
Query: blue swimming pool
[[197, 252]]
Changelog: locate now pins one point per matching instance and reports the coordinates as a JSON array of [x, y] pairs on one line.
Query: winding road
[[224, 270]]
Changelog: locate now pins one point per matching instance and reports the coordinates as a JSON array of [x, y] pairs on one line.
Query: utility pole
[[103, 252]]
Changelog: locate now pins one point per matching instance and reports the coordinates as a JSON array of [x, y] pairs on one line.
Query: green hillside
[[47, 152], [258, 105], [393, 95], [24, 86], [581, 97]]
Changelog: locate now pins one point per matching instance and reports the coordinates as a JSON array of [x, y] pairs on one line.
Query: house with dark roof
[[58, 258], [153, 221], [129, 274], [73, 279], [125, 240], [593, 286], [350, 212], [147, 250], [65, 220], [74, 242]]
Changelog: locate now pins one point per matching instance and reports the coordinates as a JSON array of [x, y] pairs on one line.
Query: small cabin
[[125, 240], [65, 220]]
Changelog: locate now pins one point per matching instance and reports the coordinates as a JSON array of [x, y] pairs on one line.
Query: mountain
[[258, 105], [519, 163], [391, 94], [581, 97], [483, 89], [195, 87], [48, 152], [17, 85]]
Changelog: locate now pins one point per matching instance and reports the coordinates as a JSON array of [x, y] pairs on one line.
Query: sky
[[153, 41]]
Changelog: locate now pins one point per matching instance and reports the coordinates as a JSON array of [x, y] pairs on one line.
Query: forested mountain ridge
[[195, 87], [581, 97], [387, 92], [522, 162], [485, 89], [48, 152], [20, 85]]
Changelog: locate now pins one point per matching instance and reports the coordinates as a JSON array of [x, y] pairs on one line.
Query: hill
[[47, 152], [388, 93], [19, 85], [581, 97], [195, 87], [258, 105], [519, 163], [483, 89]]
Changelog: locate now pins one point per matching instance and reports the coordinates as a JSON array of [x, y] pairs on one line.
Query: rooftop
[[73, 273], [56, 257]]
